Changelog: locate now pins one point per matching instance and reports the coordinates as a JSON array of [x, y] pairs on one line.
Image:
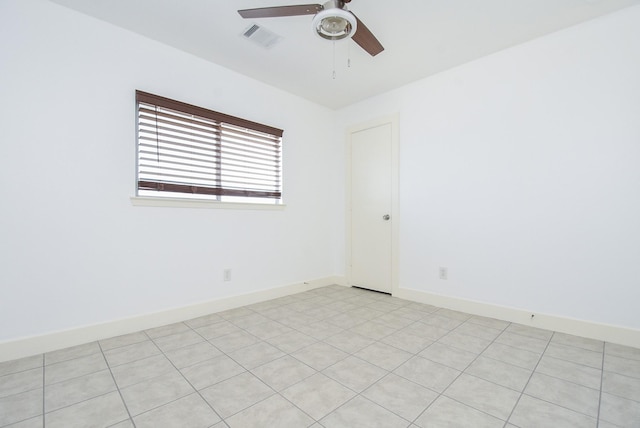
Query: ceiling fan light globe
[[334, 24]]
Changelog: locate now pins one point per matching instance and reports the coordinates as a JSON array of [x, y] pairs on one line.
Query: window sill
[[146, 201]]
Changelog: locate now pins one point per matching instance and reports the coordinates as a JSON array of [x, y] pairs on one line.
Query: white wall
[[73, 249], [520, 173]]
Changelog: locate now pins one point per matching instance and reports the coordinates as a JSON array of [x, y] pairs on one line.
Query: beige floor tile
[[236, 394], [403, 397], [318, 395], [448, 413]]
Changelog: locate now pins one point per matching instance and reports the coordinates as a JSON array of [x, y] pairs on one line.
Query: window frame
[[248, 195]]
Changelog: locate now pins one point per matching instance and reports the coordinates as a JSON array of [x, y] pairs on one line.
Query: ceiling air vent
[[261, 36]]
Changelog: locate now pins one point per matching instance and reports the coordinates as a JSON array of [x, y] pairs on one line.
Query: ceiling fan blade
[[365, 38], [272, 12]]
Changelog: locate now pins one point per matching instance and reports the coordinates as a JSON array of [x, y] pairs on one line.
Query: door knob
[[386, 217]]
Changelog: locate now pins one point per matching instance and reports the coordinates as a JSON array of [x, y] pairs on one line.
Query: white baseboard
[[27, 346], [52, 341], [592, 330]]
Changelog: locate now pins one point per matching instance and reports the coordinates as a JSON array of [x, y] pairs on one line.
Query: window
[[186, 151]]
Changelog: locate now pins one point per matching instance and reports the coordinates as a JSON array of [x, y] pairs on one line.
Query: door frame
[[393, 120]]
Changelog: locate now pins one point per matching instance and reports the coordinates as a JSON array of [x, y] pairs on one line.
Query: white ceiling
[[421, 37]]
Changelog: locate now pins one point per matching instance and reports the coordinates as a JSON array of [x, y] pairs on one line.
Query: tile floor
[[330, 357]]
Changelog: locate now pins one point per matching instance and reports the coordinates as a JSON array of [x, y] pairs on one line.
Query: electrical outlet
[[227, 275], [442, 273]]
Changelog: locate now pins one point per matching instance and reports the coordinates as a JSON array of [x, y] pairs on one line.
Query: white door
[[371, 207]]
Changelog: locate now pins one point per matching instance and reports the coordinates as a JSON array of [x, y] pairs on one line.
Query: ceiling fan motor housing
[[334, 4]]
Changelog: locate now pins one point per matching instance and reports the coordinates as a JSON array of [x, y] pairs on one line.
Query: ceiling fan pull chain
[[348, 55], [334, 60]]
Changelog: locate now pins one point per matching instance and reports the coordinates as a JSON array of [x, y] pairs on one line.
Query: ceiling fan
[[331, 21]]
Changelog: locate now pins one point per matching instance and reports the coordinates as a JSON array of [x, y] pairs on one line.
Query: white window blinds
[[184, 149]]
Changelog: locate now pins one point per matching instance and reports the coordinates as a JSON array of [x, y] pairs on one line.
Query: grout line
[[529, 380], [560, 406], [568, 380], [117, 387], [43, 391], [79, 375], [573, 362], [604, 347]]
